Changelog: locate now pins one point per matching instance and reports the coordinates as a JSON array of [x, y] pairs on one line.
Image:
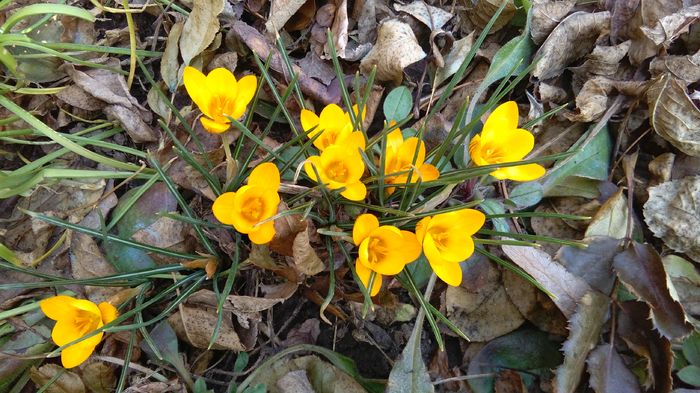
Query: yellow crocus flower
[[447, 240], [382, 249], [334, 126], [399, 159], [501, 141], [75, 318], [218, 95], [339, 167], [247, 208]]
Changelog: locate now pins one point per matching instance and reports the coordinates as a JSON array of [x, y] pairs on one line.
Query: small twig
[[463, 378], [136, 367]]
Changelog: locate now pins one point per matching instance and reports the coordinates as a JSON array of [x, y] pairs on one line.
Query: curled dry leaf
[[609, 373], [673, 115], [668, 28], [280, 12], [485, 9], [396, 48], [200, 28], [433, 17], [169, 64], [546, 14], [640, 268], [455, 58], [585, 327], [306, 260], [566, 287], [672, 211], [685, 68], [534, 305], [604, 60], [573, 38], [593, 263], [622, 11], [63, 381], [648, 14]]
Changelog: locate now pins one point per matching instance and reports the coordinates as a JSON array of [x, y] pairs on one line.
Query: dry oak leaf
[[572, 39], [673, 115], [672, 212], [396, 48]]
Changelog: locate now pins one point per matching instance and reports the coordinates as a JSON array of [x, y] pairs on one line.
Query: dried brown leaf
[[673, 115], [566, 287], [648, 14], [98, 377], [604, 60], [322, 376], [280, 12], [169, 63], [546, 14], [573, 38], [609, 373], [640, 268], [305, 258], [66, 382], [593, 263], [196, 327], [668, 28], [484, 10], [672, 211], [585, 326], [396, 48], [433, 17], [200, 28]]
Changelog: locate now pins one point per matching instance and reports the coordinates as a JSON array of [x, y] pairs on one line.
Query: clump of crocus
[[219, 95], [75, 318], [447, 240], [382, 249], [247, 208], [399, 160], [501, 141], [334, 126], [339, 167]]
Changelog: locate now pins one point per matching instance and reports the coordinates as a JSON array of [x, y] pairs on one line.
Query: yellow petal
[[196, 86], [475, 153], [442, 268], [309, 120], [313, 165], [363, 253], [503, 118], [394, 140], [428, 172], [65, 331], [468, 221], [221, 83], [364, 274], [457, 246], [356, 141], [263, 234], [108, 311], [525, 172], [332, 118], [422, 228], [59, 307], [213, 126], [265, 175], [449, 272], [248, 198], [364, 225], [354, 191], [78, 353], [411, 248], [223, 208], [408, 151], [246, 90], [515, 144], [390, 252]]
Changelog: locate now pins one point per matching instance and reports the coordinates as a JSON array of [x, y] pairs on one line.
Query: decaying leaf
[[433, 17], [668, 28], [637, 330], [320, 375], [534, 305], [685, 281], [593, 263], [604, 60], [640, 268], [199, 30], [567, 288], [585, 327], [480, 307], [574, 37], [169, 64], [546, 14], [672, 211], [280, 12], [409, 373], [609, 373], [673, 115], [685, 68], [648, 14], [396, 48], [484, 10], [305, 259], [611, 219], [196, 326], [99, 377], [455, 58], [65, 382]]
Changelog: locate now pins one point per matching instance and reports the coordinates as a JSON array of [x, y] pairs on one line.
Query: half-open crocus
[[75, 318], [247, 208], [447, 240], [382, 249], [334, 126], [339, 167], [218, 95], [399, 161], [501, 141]]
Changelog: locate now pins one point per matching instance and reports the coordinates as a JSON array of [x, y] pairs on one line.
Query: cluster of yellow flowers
[[445, 239]]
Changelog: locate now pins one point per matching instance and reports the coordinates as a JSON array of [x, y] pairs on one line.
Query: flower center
[[493, 154], [253, 209], [338, 171], [440, 239], [376, 250], [85, 322]]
